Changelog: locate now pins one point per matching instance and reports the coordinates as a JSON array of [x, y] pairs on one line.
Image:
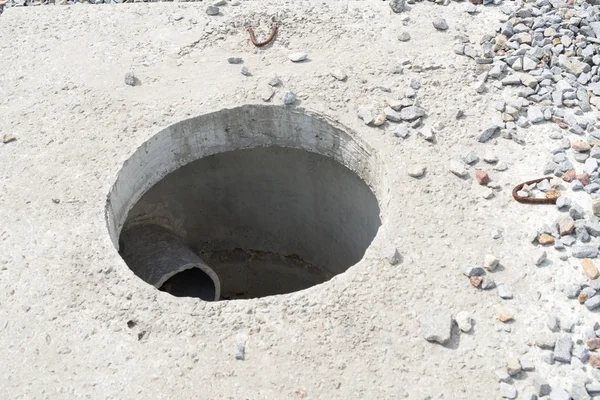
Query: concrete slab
[[76, 322]]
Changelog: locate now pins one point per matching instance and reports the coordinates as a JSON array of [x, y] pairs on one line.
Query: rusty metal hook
[[266, 42]]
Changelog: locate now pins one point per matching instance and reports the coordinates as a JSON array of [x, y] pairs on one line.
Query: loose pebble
[[490, 262], [130, 79], [240, 352], [508, 391], [393, 256], [417, 171], [590, 269], [464, 320], [504, 292], [289, 98], [504, 316], [404, 36], [298, 57], [234, 60], [436, 325], [513, 366], [440, 24], [212, 10], [458, 169]]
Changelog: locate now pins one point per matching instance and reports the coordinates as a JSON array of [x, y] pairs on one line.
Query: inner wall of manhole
[[244, 203]]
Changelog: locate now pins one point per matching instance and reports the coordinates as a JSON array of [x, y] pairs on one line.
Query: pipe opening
[[192, 282]]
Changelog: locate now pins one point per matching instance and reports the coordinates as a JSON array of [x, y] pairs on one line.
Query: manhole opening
[[250, 221]]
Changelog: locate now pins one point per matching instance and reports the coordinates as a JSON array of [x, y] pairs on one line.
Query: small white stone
[[379, 119], [438, 127], [339, 75], [440, 24], [426, 134], [480, 87], [487, 193], [458, 169], [401, 131], [393, 255], [540, 258], [366, 114], [464, 320], [274, 81], [417, 171], [502, 166], [470, 157], [297, 57], [436, 325], [404, 36], [490, 262], [490, 158], [267, 94], [508, 391], [504, 292]]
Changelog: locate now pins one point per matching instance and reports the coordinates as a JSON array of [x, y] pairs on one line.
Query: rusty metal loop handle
[[530, 200], [266, 42]]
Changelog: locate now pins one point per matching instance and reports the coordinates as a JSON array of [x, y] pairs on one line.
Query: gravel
[[472, 270], [339, 75], [212, 10], [513, 366], [404, 36], [458, 169], [398, 6], [436, 325], [508, 391], [298, 57], [490, 262], [440, 24], [540, 386], [411, 113], [488, 133], [240, 352], [583, 251], [563, 348], [289, 98], [470, 157], [559, 394], [366, 114], [130, 79], [553, 323], [417, 171], [464, 320], [504, 292]]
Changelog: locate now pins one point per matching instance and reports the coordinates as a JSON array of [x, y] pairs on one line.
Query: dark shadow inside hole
[[192, 282], [267, 221]]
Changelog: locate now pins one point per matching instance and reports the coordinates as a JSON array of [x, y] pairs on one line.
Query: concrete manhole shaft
[[244, 203]]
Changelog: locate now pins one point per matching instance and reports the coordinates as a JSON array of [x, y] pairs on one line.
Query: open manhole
[[244, 203]]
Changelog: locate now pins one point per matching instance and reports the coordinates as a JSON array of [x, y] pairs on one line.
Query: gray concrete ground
[[76, 322]]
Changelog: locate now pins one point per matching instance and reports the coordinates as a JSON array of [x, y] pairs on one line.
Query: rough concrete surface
[[76, 322]]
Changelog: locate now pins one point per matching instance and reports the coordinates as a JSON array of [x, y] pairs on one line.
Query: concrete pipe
[[162, 259]]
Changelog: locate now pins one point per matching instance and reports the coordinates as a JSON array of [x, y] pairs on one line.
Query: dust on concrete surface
[[76, 322]]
